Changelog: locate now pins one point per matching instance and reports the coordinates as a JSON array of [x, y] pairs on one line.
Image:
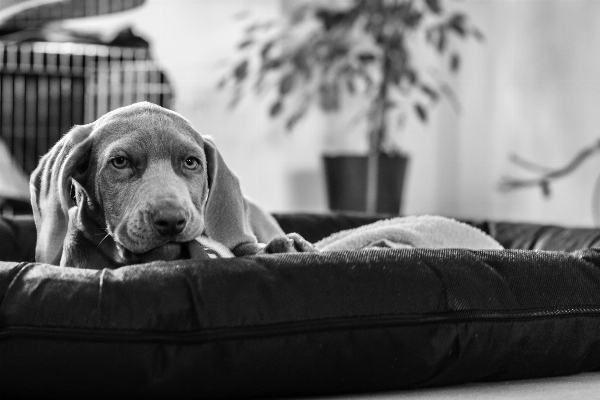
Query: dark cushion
[[511, 235], [543, 237], [298, 324], [17, 239]]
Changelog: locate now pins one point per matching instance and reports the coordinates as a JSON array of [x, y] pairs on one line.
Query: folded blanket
[[403, 232], [409, 232]]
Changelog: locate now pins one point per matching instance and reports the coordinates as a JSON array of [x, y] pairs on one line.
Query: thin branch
[[525, 164], [548, 175]]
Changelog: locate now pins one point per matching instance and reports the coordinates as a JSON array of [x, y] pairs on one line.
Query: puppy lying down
[[141, 184]]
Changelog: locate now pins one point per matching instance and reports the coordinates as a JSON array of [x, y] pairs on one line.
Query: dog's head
[[143, 175]]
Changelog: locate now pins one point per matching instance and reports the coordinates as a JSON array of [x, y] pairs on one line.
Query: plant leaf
[[245, 43], [330, 19], [389, 104], [258, 25], [454, 62], [293, 120], [276, 108], [286, 84], [264, 52], [429, 91], [412, 18], [237, 96], [350, 85], [441, 44], [457, 24], [451, 96], [222, 83], [421, 112], [478, 34], [366, 57], [298, 14], [272, 63], [434, 5], [241, 71], [411, 75]]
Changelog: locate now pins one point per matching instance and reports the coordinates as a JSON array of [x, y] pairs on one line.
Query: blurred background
[[529, 87]]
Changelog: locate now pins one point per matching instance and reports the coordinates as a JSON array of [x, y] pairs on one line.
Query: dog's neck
[[89, 245]]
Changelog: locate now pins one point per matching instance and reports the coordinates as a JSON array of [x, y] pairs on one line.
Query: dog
[[140, 184]]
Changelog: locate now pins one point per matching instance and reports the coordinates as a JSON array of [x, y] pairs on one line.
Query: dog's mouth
[[169, 251]]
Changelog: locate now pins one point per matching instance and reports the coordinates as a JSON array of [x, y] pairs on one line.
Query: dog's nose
[[169, 221]]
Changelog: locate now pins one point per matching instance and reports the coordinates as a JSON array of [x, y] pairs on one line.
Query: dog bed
[[301, 324]]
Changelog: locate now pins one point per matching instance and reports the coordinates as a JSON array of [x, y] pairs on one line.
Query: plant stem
[[372, 182], [377, 130]]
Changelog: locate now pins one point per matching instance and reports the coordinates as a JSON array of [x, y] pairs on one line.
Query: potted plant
[[325, 51]]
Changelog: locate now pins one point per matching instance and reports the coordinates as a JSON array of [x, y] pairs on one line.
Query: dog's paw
[[292, 243]]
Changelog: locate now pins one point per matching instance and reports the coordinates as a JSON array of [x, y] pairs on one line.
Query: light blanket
[[425, 231]]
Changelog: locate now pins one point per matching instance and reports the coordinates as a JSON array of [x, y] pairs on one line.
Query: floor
[[576, 387]]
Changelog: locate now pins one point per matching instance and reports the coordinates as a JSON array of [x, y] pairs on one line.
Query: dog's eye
[[191, 163], [119, 162]]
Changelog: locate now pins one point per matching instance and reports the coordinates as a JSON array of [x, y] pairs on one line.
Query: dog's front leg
[[291, 243]]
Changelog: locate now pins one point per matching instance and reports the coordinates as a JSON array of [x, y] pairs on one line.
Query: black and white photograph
[[300, 199]]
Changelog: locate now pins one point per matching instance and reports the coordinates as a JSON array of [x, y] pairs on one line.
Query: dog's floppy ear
[[226, 212], [50, 185]]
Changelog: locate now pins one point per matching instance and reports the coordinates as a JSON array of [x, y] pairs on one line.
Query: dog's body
[[146, 185]]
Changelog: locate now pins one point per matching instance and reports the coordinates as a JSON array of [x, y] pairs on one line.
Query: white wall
[[532, 88]]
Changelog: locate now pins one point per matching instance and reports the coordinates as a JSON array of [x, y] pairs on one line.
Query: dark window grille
[[46, 88]]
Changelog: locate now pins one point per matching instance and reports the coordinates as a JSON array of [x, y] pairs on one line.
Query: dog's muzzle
[[168, 218]]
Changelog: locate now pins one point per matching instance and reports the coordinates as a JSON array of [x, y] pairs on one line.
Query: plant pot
[[347, 188]]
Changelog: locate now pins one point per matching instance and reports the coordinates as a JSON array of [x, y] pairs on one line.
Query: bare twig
[[526, 164], [547, 174]]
